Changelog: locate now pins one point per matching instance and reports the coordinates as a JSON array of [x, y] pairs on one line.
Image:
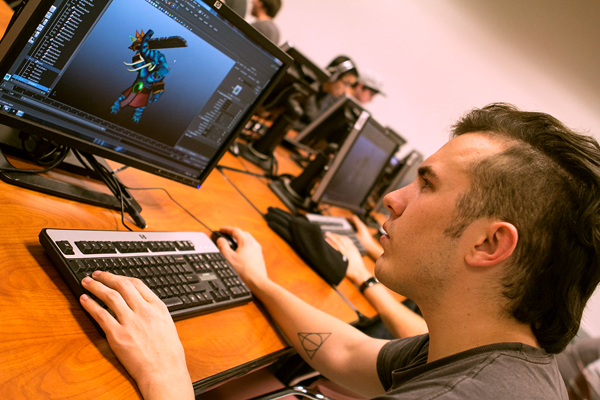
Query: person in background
[[343, 75], [366, 88], [265, 11]]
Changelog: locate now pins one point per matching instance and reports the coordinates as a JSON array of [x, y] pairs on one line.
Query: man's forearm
[[330, 346]]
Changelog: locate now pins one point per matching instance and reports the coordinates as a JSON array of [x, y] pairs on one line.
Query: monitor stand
[[295, 193], [260, 152], [69, 191]]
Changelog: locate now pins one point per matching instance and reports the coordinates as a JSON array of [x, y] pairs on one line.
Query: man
[[264, 11], [367, 87], [497, 241], [343, 75]]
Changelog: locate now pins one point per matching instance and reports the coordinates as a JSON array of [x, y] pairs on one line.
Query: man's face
[[339, 87], [419, 258], [256, 5], [363, 94]]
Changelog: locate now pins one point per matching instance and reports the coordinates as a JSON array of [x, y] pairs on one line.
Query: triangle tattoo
[[311, 342]]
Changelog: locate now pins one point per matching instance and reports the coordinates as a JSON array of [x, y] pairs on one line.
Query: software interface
[[359, 170], [166, 81]]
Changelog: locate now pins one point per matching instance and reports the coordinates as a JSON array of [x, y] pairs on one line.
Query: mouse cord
[[241, 171], [239, 191]]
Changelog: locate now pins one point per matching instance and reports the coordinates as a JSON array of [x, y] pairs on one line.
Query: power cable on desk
[[176, 202], [113, 173], [64, 151], [219, 168], [242, 171]]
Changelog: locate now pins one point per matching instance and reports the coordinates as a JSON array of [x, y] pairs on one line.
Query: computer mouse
[[217, 234]]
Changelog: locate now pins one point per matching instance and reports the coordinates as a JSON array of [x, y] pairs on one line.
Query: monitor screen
[[403, 175], [163, 86], [332, 126], [301, 80], [358, 165]]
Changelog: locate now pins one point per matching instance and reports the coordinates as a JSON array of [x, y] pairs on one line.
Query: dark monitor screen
[[357, 166], [301, 80], [331, 126], [163, 86], [403, 175]]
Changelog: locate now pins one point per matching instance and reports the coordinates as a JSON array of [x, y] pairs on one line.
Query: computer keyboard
[[339, 225], [185, 269]]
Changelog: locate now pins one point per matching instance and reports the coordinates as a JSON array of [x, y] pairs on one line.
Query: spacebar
[[173, 303]]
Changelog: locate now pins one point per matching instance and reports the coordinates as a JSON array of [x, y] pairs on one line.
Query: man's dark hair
[[342, 61], [546, 182], [271, 7]]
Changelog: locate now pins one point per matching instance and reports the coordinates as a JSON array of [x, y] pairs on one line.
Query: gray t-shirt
[[497, 371]]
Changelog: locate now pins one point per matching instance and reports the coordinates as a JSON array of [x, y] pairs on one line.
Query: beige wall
[[439, 58]]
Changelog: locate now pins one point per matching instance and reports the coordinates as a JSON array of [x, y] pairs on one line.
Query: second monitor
[[349, 176]]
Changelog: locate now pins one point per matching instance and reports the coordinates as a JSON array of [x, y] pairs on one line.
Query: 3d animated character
[[151, 68]]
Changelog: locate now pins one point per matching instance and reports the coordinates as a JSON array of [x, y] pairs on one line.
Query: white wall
[[440, 58]]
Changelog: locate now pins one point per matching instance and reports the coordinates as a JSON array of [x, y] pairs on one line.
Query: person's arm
[[335, 349], [399, 319], [142, 336], [373, 247]]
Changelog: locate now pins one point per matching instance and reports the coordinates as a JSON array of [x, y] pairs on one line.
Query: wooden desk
[[48, 346], [50, 349]]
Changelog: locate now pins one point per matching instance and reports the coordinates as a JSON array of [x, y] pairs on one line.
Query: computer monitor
[[399, 138], [331, 126], [357, 167], [285, 106], [163, 86], [303, 76], [404, 173]]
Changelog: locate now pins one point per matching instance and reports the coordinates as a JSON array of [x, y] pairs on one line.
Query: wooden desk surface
[[48, 346], [50, 349]]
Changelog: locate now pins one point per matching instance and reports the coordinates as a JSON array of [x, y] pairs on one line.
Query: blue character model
[[151, 68]]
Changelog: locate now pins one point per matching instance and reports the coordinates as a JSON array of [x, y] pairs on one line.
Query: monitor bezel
[[300, 59], [357, 207], [322, 118], [406, 164], [23, 25]]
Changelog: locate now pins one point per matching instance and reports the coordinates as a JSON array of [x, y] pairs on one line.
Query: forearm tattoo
[[311, 342]]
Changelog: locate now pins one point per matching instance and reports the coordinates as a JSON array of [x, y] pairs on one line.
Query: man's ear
[[495, 244]]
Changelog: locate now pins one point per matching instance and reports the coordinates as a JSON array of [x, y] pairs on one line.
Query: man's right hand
[[373, 247], [247, 259]]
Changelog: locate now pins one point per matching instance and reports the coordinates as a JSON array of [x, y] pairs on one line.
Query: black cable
[[273, 167], [241, 171], [123, 209], [174, 201], [278, 97], [362, 319], [83, 163], [240, 192], [60, 159]]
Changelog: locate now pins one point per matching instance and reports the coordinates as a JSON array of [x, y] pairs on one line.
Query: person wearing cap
[[366, 88], [343, 75]]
